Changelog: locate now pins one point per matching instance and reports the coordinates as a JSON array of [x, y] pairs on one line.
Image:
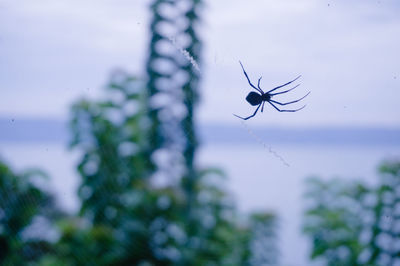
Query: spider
[[260, 98]]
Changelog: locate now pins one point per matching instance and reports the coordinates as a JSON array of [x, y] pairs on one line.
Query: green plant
[[25, 209], [355, 223]]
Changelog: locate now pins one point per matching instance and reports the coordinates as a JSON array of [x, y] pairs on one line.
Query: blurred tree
[[144, 201], [353, 223], [262, 243], [173, 80], [26, 211], [127, 216]]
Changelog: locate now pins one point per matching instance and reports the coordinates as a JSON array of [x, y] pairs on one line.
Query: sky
[[54, 52]]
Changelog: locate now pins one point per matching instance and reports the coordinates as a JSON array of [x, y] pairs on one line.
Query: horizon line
[[53, 130]]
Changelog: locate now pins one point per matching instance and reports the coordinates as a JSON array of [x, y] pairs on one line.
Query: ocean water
[[260, 175]]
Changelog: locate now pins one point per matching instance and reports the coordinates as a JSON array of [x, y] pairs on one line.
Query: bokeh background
[[53, 53]]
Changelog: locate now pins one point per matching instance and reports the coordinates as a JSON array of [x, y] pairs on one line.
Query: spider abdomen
[[254, 98]]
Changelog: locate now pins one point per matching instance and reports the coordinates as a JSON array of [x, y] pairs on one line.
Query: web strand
[[185, 53], [267, 147]]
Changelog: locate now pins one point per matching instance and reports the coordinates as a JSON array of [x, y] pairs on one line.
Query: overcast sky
[[52, 52]]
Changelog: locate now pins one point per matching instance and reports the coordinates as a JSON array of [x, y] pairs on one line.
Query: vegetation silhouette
[[353, 223]]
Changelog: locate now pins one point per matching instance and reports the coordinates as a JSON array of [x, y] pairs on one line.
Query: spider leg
[[284, 84], [249, 116], [291, 101], [258, 85], [272, 94], [262, 107], [254, 87], [279, 110]]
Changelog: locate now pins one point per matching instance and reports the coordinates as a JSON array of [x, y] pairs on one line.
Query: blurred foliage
[[129, 217], [26, 210], [353, 223], [144, 201], [263, 237]]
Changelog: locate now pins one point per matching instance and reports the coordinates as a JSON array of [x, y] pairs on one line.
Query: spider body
[[260, 97], [255, 98]]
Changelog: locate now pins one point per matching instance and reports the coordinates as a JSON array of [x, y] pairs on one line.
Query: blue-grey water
[[38, 130], [265, 167]]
